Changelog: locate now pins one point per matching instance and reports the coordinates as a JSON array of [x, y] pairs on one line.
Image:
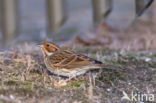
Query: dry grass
[[23, 78]]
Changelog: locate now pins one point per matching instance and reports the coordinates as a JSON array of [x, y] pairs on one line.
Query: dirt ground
[[23, 78]]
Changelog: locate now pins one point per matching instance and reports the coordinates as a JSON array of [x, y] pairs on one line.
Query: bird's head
[[49, 48]]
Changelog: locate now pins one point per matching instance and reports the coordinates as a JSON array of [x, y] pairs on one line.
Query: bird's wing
[[69, 59]]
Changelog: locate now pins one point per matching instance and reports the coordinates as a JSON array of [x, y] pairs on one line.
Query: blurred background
[[119, 33], [114, 24]]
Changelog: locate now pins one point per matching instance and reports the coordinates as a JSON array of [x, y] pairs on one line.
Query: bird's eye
[[48, 45]]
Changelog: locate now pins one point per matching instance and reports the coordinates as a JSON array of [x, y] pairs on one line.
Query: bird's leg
[[90, 78]]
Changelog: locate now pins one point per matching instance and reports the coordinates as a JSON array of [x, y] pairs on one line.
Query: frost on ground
[[23, 78]]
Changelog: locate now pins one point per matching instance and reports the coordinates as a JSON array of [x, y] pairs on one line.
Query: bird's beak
[[40, 46]]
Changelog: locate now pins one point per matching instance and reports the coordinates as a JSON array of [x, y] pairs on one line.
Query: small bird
[[65, 62]]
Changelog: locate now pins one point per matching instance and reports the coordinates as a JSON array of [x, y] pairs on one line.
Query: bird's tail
[[111, 67]]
